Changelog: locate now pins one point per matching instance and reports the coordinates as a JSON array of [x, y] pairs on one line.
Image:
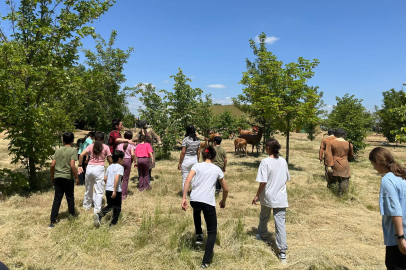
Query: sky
[[361, 45]]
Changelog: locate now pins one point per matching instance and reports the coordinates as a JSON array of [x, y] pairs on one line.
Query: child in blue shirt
[[392, 203]]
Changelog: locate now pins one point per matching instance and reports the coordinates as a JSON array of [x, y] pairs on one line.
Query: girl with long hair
[[94, 177], [392, 204], [190, 153], [129, 157]]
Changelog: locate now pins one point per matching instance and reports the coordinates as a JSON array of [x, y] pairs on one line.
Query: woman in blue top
[[392, 203], [83, 143]]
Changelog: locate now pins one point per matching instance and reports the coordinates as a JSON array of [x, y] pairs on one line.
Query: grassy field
[[323, 231]]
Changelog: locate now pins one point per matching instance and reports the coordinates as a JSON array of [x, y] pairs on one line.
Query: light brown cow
[[244, 132], [240, 144], [211, 138]]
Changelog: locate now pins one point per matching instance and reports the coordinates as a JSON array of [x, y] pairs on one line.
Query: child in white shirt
[[272, 175], [112, 178], [202, 199]]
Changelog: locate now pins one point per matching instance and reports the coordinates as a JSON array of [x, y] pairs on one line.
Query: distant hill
[[219, 109]]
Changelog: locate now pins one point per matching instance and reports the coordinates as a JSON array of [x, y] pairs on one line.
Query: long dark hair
[[98, 144], [190, 132], [384, 158], [129, 136], [274, 146], [82, 140], [209, 153]]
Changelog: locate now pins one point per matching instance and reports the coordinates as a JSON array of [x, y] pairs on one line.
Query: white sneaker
[[282, 257]]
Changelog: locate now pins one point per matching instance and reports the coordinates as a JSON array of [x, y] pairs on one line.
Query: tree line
[[46, 91]]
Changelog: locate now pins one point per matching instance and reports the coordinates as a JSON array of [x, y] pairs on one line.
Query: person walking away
[[114, 174], [129, 157], [392, 204], [331, 136], [190, 153], [338, 152], [203, 178], [63, 171], [220, 160], [151, 138], [84, 142], [143, 152], [272, 177], [94, 177], [115, 135]]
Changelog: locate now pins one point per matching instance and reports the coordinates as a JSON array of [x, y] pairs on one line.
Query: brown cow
[[211, 138], [253, 139], [240, 144], [244, 132]]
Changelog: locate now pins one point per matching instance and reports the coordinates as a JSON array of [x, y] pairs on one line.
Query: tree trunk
[[33, 173], [264, 136], [287, 143]]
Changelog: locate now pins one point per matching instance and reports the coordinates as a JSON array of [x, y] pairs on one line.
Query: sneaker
[[96, 220], [282, 256], [199, 239], [260, 237], [51, 225], [205, 265]]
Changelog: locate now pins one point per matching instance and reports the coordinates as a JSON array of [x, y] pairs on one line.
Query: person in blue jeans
[[392, 204], [202, 199]]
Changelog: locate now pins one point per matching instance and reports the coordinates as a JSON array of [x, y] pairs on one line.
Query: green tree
[[104, 98], [226, 123], [156, 111], [350, 115], [278, 95], [183, 103], [203, 116], [390, 118], [315, 120], [37, 85]]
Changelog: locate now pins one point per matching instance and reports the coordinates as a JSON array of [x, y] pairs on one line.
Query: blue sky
[[361, 45]]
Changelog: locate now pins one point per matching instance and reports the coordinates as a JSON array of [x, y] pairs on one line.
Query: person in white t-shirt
[[205, 176], [112, 178], [272, 177]]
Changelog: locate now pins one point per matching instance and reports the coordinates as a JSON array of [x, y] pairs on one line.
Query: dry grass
[[324, 232]]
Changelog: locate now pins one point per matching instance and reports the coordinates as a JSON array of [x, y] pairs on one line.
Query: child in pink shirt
[[129, 156], [94, 176], [143, 153]]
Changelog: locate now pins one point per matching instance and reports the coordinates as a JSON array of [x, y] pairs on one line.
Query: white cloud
[[134, 104], [217, 86], [166, 81], [268, 40], [192, 77]]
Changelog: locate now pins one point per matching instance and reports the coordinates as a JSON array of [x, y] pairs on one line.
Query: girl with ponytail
[[94, 177], [392, 204]]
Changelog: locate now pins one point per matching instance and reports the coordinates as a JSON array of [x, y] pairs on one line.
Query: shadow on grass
[[270, 239], [253, 164], [16, 182], [292, 167], [66, 215]]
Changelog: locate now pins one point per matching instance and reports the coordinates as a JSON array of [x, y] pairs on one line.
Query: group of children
[[120, 155], [202, 179]]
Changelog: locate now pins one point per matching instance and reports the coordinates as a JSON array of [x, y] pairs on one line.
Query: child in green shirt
[[63, 171]]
